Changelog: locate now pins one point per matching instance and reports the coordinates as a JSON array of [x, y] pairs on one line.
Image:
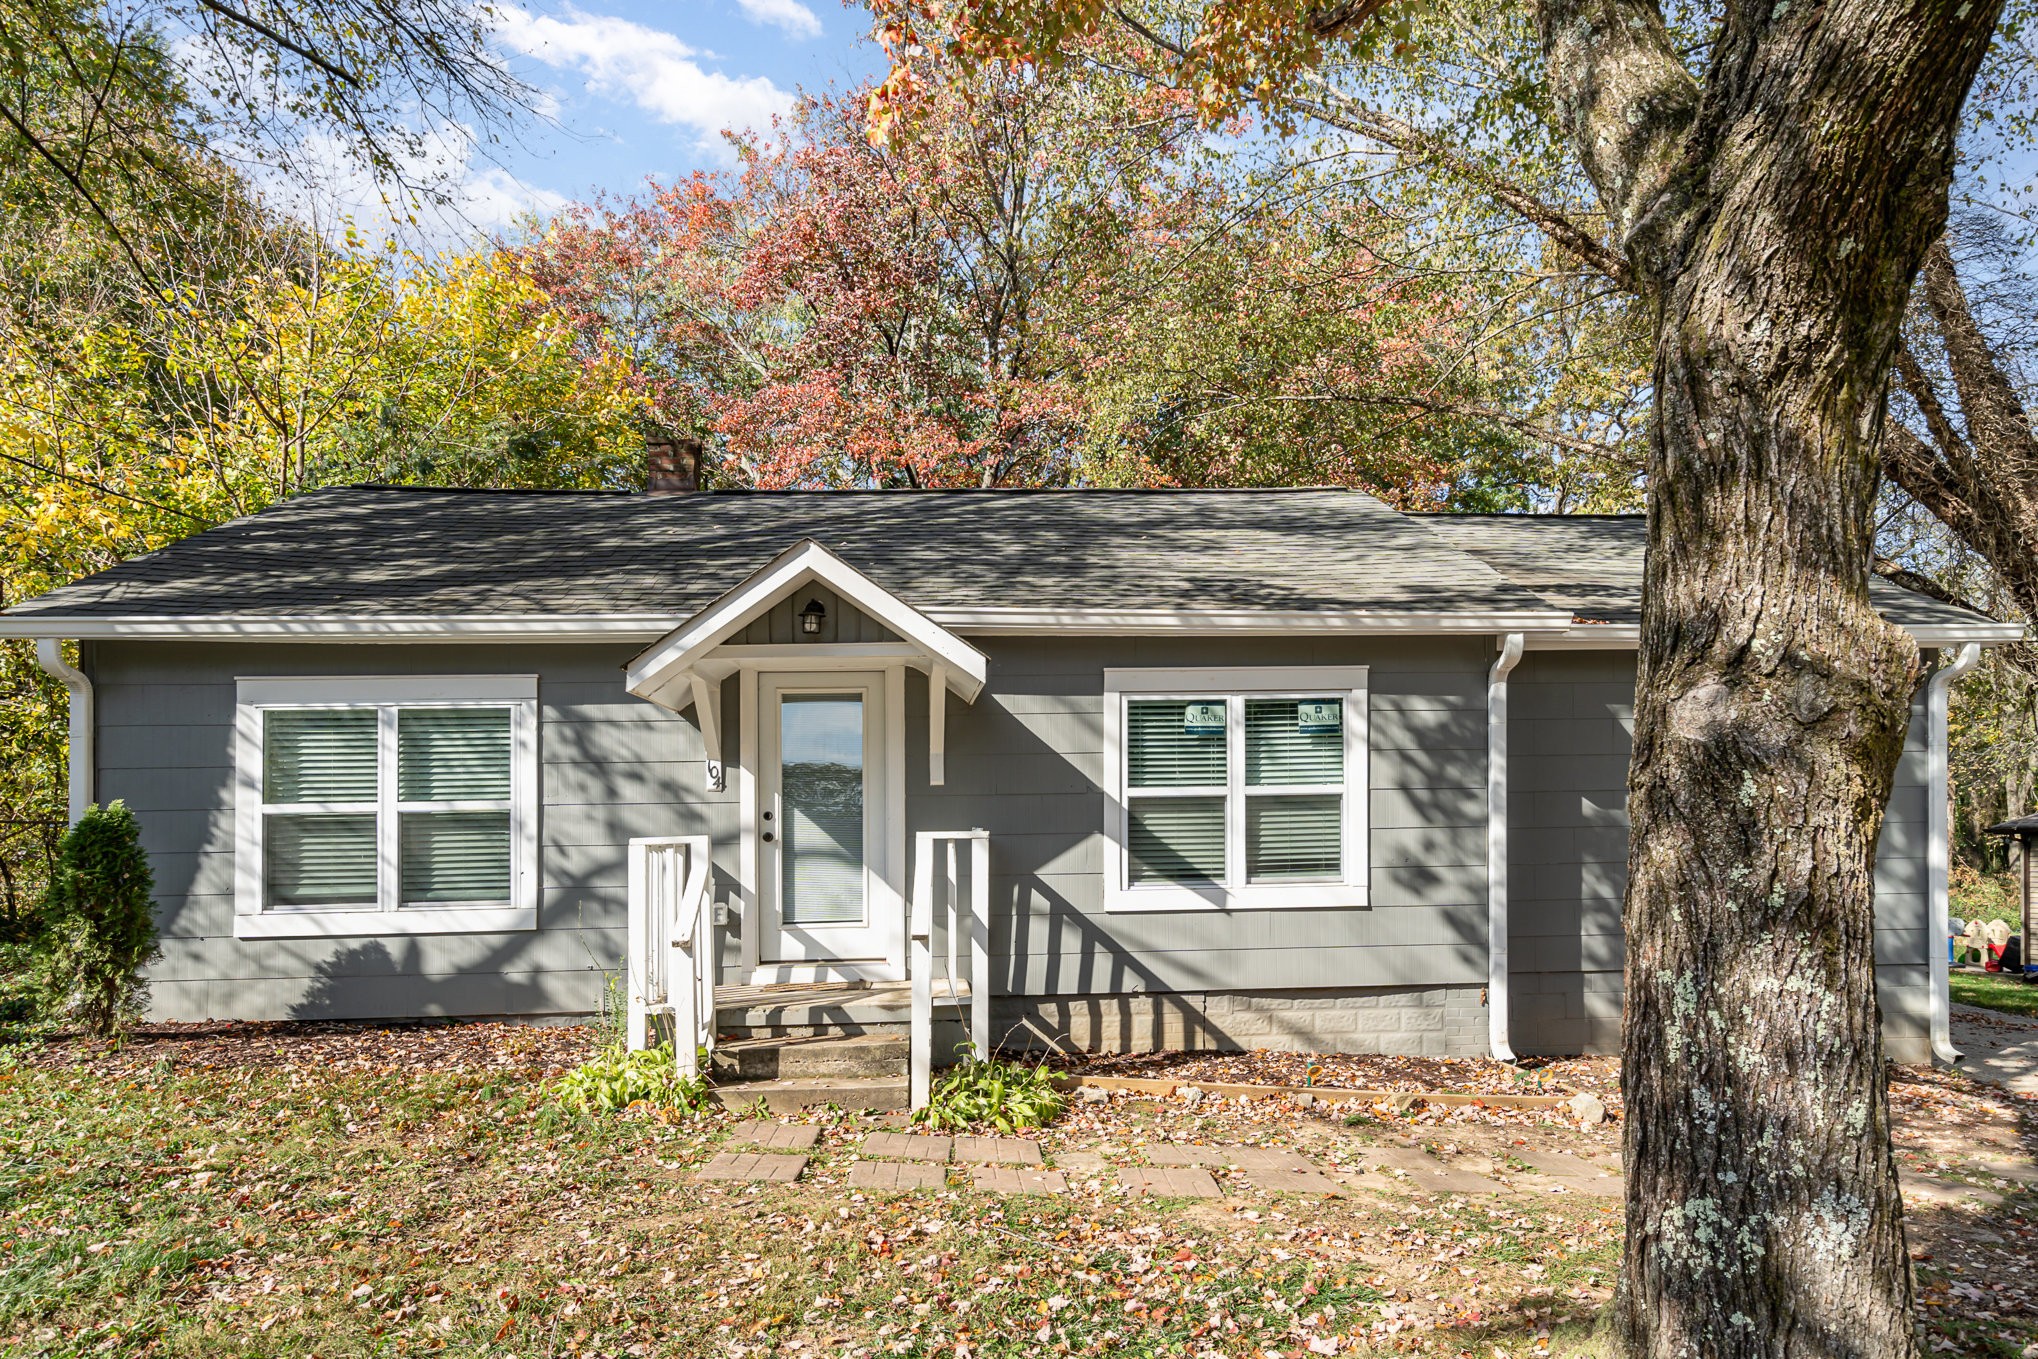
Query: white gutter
[[1496, 847], [348, 628], [1542, 631], [1938, 843], [49, 653], [1628, 636]]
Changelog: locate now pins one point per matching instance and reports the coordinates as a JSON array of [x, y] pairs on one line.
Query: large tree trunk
[[1776, 215]]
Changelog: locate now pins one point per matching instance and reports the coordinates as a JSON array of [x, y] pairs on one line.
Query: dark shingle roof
[[394, 552], [370, 551], [1591, 564]]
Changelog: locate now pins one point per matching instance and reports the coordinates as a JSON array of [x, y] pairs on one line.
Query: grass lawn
[[1995, 991], [292, 1210], [232, 1200]]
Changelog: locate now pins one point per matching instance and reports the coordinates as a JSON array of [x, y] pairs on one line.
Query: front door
[[820, 827]]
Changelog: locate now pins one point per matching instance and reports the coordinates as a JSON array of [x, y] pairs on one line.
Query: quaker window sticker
[[1319, 717], [1203, 719]]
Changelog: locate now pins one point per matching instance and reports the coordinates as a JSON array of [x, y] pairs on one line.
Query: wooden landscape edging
[[1400, 1099]]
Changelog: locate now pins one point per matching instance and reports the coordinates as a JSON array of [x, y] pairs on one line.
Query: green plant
[[616, 1079], [983, 1090], [99, 927]]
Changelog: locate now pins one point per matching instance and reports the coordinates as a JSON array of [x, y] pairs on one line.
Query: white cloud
[[648, 67], [794, 18], [327, 185]]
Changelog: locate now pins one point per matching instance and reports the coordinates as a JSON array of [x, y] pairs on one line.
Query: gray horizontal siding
[[1570, 726], [612, 767], [1025, 761]]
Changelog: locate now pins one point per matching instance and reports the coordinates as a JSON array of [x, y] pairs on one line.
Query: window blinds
[[455, 856], [331, 759], [1163, 750], [1181, 791], [320, 860], [319, 755], [452, 754], [1176, 839]]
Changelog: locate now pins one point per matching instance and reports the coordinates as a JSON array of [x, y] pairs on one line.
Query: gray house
[[1114, 769]]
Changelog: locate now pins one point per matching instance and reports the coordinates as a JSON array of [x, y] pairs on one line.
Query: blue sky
[[644, 89]]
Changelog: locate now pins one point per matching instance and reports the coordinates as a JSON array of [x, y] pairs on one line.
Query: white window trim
[[1121, 686], [256, 695]]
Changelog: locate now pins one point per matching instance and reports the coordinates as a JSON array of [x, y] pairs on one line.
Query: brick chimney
[[672, 463]]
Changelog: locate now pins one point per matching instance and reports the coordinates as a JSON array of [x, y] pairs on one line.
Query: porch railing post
[[637, 978], [920, 969], [980, 941]]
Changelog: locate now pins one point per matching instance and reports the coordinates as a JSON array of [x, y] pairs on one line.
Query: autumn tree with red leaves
[[1050, 283]]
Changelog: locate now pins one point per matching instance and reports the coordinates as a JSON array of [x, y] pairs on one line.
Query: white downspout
[[1938, 848], [1496, 848], [49, 653]]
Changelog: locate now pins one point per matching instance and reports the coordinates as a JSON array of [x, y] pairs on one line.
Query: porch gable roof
[[664, 671]]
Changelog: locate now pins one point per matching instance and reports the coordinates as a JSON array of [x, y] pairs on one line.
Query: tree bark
[[1776, 216]]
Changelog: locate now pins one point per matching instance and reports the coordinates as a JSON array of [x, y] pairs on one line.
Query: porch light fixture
[[812, 617]]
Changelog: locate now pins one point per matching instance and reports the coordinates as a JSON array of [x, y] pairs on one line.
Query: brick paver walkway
[[1018, 1180], [751, 1165], [1181, 1182], [891, 1175], [1293, 1182], [1004, 1151], [906, 1147], [763, 1135], [1562, 1170], [1245, 1158], [1417, 1169]]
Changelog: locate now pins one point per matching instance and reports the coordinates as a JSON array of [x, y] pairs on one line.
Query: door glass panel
[[821, 794]]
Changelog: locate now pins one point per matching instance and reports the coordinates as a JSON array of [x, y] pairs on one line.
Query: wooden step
[[789, 1096], [874, 1055], [838, 1009]]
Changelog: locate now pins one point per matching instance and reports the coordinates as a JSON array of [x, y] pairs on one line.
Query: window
[[1235, 788], [385, 806]]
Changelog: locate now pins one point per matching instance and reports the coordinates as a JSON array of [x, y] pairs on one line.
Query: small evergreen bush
[[98, 925], [981, 1090]]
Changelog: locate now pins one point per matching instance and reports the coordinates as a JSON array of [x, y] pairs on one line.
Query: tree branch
[[1406, 137], [249, 21], [1626, 100]]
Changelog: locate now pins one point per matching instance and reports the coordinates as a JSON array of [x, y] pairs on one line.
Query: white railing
[[937, 881], [671, 967]]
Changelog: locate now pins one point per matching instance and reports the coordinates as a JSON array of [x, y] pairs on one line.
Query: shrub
[[99, 928], [983, 1090], [617, 1079]]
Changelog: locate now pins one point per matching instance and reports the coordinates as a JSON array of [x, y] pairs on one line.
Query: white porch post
[[637, 967], [920, 969], [937, 724], [980, 940], [1497, 1035], [1938, 849]]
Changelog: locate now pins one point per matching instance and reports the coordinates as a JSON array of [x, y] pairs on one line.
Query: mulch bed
[[1333, 1071], [337, 1047]]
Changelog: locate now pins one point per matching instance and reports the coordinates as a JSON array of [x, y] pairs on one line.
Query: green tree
[[98, 925]]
